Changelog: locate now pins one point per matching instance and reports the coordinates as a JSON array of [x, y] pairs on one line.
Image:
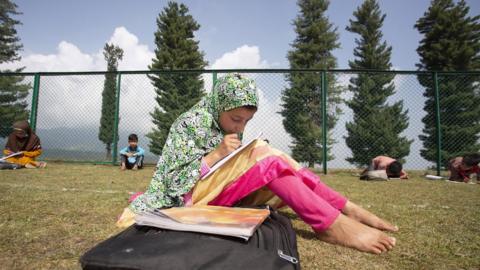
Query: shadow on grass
[[305, 234], [290, 215]]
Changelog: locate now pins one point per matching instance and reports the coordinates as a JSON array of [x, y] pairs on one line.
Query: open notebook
[[231, 221], [227, 158], [11, 155]]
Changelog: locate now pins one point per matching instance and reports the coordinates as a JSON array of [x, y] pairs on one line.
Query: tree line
[[450, 42]]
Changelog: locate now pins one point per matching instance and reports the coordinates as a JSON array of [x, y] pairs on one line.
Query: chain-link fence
[[423, 118]]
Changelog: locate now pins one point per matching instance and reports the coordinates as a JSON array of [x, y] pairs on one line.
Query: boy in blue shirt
[[132, 156]]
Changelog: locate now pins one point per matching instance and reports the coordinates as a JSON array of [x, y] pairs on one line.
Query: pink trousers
[[314, 202]]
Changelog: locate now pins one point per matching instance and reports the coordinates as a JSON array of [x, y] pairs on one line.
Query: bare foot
[[123, 167], [135, 168], [42, 164], [359, 214], [30, 166], [353, 234]]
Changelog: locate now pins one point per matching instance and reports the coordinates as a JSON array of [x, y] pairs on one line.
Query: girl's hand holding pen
[[229, 144]]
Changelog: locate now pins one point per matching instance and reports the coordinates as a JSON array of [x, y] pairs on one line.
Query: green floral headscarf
[[194, 134], [230, 92]]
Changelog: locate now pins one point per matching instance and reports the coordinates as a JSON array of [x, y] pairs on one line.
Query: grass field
[[50, 217]]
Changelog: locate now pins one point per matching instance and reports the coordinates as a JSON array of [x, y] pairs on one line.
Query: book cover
[[231, 221]]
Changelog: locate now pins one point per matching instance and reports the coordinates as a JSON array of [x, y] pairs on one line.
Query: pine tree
[[176, 49], [451, 42], [376, 126], [113, 54], [13, 93], [312, 48]]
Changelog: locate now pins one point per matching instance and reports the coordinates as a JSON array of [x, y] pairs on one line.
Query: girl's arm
[[211, 158], [204, 168]]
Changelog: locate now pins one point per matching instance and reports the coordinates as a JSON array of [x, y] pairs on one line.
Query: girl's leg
[[310, 179], [348, 208], [330, 225], [364, 216], [327, 221], [269, 167], [311, 208], [327, 193]]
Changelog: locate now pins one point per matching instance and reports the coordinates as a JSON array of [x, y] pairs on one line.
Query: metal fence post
[[324, 120], [214, 79], [34, 107], [437, 122], [117, 113]]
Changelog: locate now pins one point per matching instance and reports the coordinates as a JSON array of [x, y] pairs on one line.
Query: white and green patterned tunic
[[194, 134]]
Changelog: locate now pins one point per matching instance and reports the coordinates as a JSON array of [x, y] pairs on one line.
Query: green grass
[[50, 217]]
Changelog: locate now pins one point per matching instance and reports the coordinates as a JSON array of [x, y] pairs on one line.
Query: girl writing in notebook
[[257, 175], [25, 144]]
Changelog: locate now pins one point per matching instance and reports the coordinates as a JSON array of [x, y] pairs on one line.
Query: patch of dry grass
[[50, 217]]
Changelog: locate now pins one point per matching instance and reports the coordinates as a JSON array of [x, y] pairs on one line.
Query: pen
[[240, 136]]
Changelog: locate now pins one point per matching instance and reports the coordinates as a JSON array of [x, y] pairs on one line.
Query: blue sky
[[226, 25]]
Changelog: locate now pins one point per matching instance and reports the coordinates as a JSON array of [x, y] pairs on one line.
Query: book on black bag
[[272, 246], [232, 221]]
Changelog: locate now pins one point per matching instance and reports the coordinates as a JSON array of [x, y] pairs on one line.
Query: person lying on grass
[[26, 143], [460, 168], [391, 167], [257, 175]]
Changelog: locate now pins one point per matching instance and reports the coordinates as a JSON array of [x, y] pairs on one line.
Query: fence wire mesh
[[367, 114]]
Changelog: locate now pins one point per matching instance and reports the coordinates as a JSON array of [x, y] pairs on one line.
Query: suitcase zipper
[[287, 257], [287, 240]]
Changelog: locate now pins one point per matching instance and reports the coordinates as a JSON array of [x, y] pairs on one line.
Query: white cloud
[[69, 57], [78, 98], [242, 57], [136, 56]]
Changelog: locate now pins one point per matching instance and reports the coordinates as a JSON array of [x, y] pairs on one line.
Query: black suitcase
[[273, 246]]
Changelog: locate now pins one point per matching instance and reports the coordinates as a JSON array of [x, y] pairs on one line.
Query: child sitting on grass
[[461, 167], [26, 143], [131, 157]]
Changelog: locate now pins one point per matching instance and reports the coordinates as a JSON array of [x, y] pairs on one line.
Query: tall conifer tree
[[176, 49], [13, 93], [376, 126], [113, 54], [312, 48], [451, 42]]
